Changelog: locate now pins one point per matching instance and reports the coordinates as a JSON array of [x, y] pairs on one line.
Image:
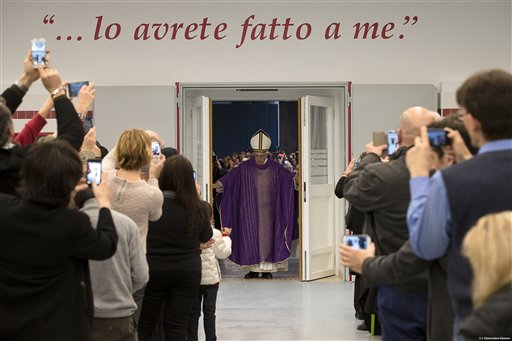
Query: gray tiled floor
[[287, 310]]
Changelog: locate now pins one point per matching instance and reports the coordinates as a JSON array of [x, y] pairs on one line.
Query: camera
[[38, 52], [74, 88], [438, 137], [93, 173], [358, 241]]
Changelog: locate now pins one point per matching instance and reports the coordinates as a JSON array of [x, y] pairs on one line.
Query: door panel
[[197, 142], [318, 228]]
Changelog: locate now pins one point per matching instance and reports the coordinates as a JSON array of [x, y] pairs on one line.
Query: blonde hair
[[133, 149], [488, 247]]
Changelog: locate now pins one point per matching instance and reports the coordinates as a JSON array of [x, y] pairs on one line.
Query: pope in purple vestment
[[258, 203]]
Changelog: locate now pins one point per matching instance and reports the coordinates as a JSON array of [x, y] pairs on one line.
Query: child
[[219, 247]]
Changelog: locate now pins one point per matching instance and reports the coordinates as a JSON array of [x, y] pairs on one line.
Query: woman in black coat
[[173, 252], [45, 291]]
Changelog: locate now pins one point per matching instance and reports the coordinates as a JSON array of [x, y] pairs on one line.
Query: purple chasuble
[[258, 203]]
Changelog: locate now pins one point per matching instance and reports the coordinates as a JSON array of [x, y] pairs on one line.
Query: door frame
[[341, 91]]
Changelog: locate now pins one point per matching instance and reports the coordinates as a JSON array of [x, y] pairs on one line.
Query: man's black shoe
[[362, 326], [266, 275], [251, 274], [360, 314]]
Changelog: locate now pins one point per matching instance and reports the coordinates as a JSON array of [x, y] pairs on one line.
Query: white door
[[318, 228], [196, 138]]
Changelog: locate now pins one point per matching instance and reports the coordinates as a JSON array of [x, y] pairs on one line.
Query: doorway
[[233, 123], [323, 145]]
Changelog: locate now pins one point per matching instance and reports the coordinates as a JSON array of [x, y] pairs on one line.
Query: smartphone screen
[[392, 141], [155, 147], [358, 241], [38, 52], [438, 137], [74, 88], [93, 173]]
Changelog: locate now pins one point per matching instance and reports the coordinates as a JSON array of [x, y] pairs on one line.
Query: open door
[[197, 141], [317, 199]]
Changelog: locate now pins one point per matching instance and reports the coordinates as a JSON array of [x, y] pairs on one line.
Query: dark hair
[[169, 151], [49, 173], [209, 211], [5, 123], [177, 175], [103, 150], [487, 96], [455, 122]]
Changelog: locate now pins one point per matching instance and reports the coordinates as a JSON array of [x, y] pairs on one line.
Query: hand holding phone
[[352, 256], [156, 149], [358, 241], [93, 173], [74, 88], [38, 52], [438, 137]]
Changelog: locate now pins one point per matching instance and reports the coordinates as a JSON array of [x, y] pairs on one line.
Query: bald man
[[381, 191]]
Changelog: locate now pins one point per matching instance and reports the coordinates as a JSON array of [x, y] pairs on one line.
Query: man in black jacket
[[354, 221], [403, 265], [381, 191]]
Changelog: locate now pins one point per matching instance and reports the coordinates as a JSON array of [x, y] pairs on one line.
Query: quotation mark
[[49, 20], [407, 19]]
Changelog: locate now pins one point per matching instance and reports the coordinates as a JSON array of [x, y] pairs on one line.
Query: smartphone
[[357, 163], [74, 88], [195, 176], [155, 147], [379, 138], [38, 52], [438, 137], [93, 173], [358, 241], [392, 137]]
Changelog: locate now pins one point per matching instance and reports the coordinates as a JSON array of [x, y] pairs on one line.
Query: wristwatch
[[58, 91]]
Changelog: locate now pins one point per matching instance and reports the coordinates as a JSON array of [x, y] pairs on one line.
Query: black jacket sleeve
[[206, 233], [99, 243], [338, 191], [69, 126], [399, 267], [364, 187], [13, 97]]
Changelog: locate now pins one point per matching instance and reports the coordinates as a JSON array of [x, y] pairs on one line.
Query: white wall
[[450, 40], [378, 108]]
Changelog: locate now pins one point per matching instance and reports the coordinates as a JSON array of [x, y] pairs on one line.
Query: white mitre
[[260, 142]]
